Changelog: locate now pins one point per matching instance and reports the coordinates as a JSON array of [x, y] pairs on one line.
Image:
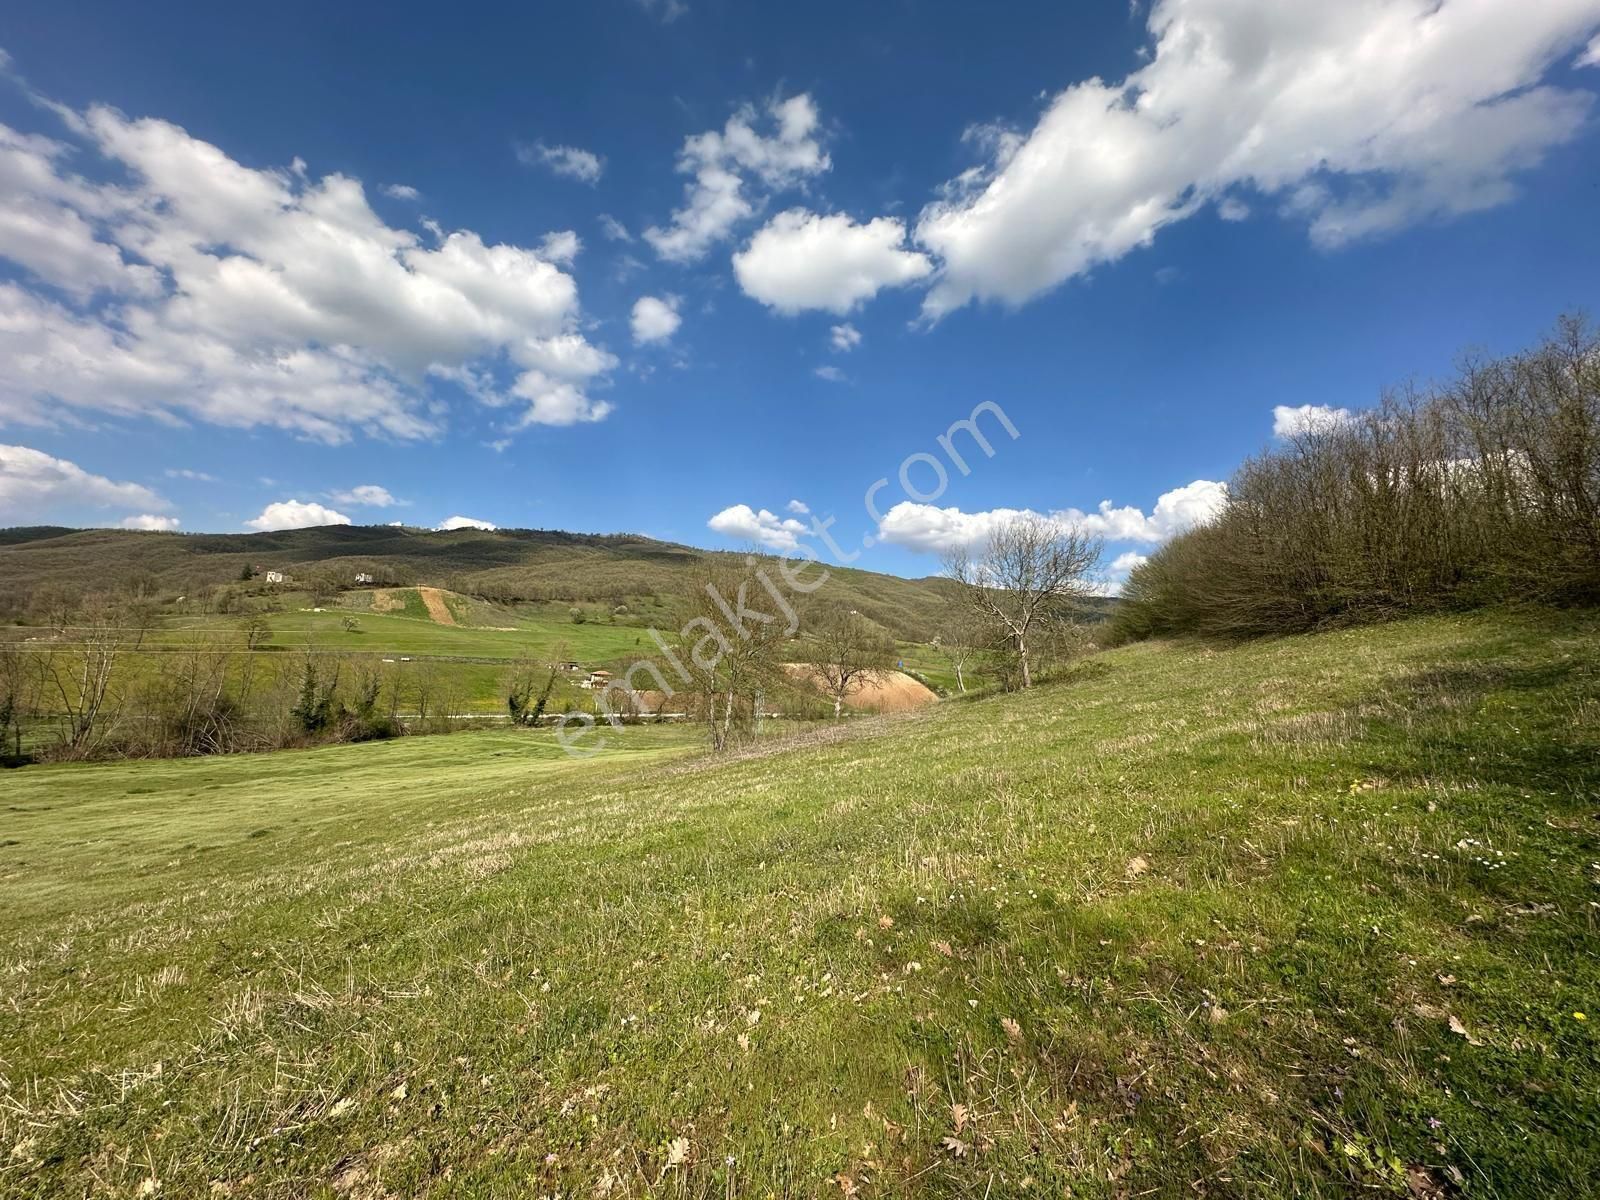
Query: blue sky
[[608, 300]]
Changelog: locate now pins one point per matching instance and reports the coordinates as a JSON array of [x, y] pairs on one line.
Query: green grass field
[[1315, 916]]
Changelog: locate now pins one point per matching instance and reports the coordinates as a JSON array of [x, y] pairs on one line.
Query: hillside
[[508, 565], [1306, 916]]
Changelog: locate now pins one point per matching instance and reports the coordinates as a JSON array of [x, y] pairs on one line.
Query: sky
[[711, 271]]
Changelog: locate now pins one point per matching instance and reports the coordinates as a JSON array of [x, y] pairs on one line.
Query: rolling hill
[[509, 566]]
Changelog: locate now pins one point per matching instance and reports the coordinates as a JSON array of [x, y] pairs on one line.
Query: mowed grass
[[400, 633], [1308, 917]]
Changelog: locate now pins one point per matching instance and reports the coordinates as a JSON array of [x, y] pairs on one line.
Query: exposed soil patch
[[881, 692], [433, 599]]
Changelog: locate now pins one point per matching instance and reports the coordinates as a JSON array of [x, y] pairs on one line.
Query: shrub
[[1482, 490]]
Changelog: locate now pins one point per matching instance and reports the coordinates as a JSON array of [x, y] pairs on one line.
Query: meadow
[[1305, 916]]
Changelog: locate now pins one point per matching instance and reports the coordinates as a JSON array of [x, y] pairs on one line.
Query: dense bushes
[[1481, 490]]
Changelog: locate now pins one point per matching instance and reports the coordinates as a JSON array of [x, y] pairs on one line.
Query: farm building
[[363, 577], [276, 577]]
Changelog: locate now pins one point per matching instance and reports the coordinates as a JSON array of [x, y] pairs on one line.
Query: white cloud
[[665, 11], [798, 507], [614, 229], [1591, 55], [1360, 117], [368, 495], [1231, 208], [34, 484], [553, 401], [1175, 511], [401, 191], [1288, 422], [570, 161], [562, 247], [149, 521], [188, 286], [746, 524], [929, 528], [831, 373], [1123, 563], [844, 337], [721, 162], [450, 523], [295, 514], [655, 319], [193, 476], [802, 260]]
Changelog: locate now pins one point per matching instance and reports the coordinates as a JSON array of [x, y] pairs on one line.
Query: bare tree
[[81, 676], [731, 648], [424, 678], [961, 642], [19, 695], [846, 650], [257, 632], [1030, 570]]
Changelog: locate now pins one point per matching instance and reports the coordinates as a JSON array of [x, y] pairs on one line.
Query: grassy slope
[[469, 967]]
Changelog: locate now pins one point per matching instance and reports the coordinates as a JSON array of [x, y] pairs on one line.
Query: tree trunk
[[1022, 653], [838, 703]]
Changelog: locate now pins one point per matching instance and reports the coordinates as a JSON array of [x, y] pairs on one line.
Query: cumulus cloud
[[193, 476], [1175, 511], [561, 247], [928, 528], [1358, 118], [1591, 54], [450, 523], [570, 161], [721, 163], [614, 229], [367, 495], [1297, 421], [182, 285], [802, 260], [1233, 209], [34, 484], [401, 191], [798, 507], [764, 528], [844, 337], [1123, 563], [831, 373], [295, 514], [150, 521], [655, 319]]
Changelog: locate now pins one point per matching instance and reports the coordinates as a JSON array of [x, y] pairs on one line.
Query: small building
[[363, 577], [276, 577], [570, 665], [597, 680]]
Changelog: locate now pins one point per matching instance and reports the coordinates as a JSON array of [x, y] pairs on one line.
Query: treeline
[[91, 688], [1480, 490]]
